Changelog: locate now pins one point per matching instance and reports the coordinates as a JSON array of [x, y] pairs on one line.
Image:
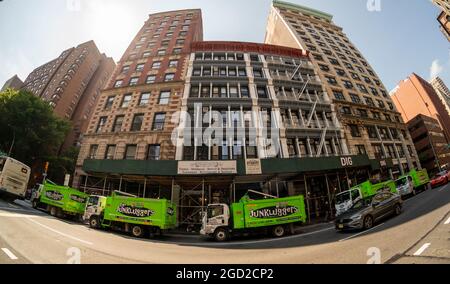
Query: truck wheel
[[368, 222], [398, 209], [221, 235], [137, 231], [94, 222], [53, 211], [278, 231]]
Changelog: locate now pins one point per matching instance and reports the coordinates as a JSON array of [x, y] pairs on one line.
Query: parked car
[[440, 179], [366, 212]]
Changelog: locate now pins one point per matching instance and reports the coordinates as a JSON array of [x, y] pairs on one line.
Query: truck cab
[[94, 207], [405, 185], [346, 199], [216, 221]]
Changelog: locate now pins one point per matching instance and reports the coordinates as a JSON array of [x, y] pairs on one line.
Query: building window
[[245, 92], [348, 84], [164, 98], [173, 63], [372, 132], [101, 124], [125, 69], [346, 110], [161, 52], [355, 98], [137, 122], [339, 96], [234, 92], [109, 102], [154, 152], [355, 130], [238, 152], [369, 102], [262, 92], [145, 99], [158, 122], [110, 152], [177, 50], [146, 54], [156, 65], [93, 152], [151, 79], [134, 81], [118, 84], [140, 67], [118, 124], [126, 101], [331, 80], [381, 104], [130, 153], [361, 150], [169, 77]]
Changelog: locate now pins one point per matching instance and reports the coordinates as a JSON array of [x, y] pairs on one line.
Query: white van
[[14, 177]]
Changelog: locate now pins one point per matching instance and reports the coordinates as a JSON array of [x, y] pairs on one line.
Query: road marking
[[442, 188], [422, 249], [13, 206], [13, 215], [61, 233], [9, 254], [14, 209], [351, 237], [447, 222]]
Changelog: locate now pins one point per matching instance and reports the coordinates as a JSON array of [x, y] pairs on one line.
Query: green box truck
[[128, 213], [59, 201], [346, 199], [413, 181], [271, 213]]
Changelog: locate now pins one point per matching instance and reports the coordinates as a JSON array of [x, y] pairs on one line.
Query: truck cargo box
[[268, 212], [70, 200], [141, 211]]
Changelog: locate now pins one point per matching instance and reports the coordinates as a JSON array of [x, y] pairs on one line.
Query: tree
[[29, 124]]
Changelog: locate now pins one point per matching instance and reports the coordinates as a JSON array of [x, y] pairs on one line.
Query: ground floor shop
[[194, 185]]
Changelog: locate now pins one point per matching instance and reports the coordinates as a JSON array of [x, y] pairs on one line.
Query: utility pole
[[13, 141]]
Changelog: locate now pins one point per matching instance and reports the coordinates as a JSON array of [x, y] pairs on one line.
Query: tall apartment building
[[71, 85], [442, 91], [133, 117], [430, 143], [13, 83], [372, 124], [414, 96], [444, 16]]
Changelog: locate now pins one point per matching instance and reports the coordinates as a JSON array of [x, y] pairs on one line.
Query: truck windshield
[[214, 211], [93, 200], [400, 182], [343, 197], [2, 163]]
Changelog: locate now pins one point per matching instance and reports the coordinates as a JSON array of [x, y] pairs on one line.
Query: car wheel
[[398, 209], [278, 231], [368, 222], [137, 231], [221, 235]]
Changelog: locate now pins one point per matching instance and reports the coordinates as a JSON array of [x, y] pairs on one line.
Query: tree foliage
[[37, 132]]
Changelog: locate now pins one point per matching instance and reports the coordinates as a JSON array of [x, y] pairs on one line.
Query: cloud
[[435, 69], [14, 63]]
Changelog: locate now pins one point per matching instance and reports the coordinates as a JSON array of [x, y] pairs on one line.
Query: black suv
[[366, 212]]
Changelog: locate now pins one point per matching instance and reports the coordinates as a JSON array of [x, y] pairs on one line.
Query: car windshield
[[362, 203], [400, 182], [343, 197]]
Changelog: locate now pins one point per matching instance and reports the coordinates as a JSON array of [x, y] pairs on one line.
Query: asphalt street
[[419, 235]]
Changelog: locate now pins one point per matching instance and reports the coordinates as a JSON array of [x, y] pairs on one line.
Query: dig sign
[[346, 161]]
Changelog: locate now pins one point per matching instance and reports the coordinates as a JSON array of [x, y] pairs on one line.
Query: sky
[[397, 37]]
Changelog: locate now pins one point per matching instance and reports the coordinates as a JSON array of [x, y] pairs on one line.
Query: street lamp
[[13, 141]]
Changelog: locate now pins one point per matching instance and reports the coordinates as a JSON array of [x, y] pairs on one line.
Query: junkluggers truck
[[128, 213], [59, 201], [14, 177], [275, 214], [413, 181], [346, 199]]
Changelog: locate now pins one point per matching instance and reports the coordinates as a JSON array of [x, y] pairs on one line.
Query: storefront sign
[[346, 161], [207, 167], [253, 167]]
